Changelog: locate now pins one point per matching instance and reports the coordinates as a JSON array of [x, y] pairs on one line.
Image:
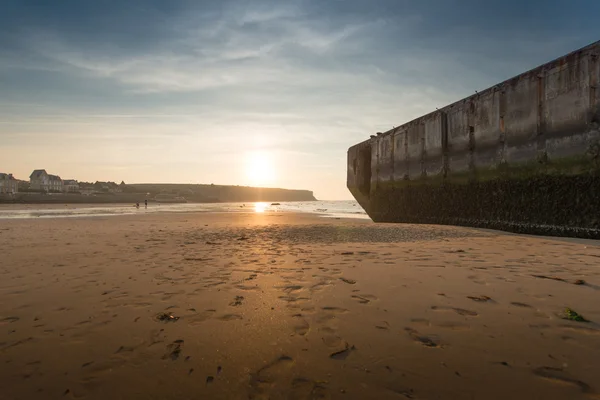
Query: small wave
[[346, 209]]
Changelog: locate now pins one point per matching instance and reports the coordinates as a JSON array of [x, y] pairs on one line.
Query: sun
[[259, 168]]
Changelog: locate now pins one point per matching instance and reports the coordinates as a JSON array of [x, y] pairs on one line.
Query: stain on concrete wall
[[433, 153], [400, 154]]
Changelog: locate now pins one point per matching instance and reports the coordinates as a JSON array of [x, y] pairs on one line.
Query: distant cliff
[[149, 191], [220, 193]]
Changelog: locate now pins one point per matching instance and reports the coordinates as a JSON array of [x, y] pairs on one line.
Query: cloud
[[244, 50]]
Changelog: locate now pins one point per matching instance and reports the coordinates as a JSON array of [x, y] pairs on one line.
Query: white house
[[70, 185], [41, 180], [8, 184], [56, 184]]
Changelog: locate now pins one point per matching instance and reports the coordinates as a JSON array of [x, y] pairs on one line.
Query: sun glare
[[259, 168], [260, 207]]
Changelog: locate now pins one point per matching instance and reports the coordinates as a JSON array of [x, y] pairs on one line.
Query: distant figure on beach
[[137, 205], [146, 203]]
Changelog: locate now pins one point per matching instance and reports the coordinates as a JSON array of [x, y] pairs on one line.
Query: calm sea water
[[330, 209]]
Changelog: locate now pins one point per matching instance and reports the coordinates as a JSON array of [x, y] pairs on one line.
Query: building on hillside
[[44, 182], [39, 180], [22, 185], [8, 184], [86, 190], [56, 184], [70, 186], [107, 187]]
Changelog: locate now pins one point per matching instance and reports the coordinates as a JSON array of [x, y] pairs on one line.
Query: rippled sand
[[287, 306]]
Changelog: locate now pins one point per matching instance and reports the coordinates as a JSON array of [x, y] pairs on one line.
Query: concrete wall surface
[[538, 128]]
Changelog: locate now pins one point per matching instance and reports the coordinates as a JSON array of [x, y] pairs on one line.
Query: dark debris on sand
[[166, 317], [237, 301]]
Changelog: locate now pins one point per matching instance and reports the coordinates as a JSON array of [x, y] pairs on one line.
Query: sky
[[261, 93]]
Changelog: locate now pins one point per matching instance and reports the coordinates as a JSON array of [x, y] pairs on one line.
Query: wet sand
[[292, 306]]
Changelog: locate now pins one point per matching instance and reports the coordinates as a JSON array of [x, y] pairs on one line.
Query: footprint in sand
[[324, 318], [331, 340], [230, 317], [581, 329], [422, 339], [335, 310], [93, 370], [558, 375], [200, 317], [8, 320], [293, 299], [348, 280], [141, 304], [327, 330], [126, 349], [266, 377], [320, 286], [460, 311], [384, 326], [7, 345], [303, 388], [344, 353], [173, 350], [248, 287], [213, 284], [364, 298], [517, 304], [291, 288], [455, 326], [237, 301], [301, 326], [481, 299]]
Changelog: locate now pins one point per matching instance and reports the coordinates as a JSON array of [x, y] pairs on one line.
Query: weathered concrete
[[523, 155]]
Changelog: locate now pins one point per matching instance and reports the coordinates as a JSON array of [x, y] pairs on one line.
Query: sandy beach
[[292, 306]]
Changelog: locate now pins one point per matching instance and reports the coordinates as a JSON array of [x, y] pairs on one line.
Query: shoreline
[[96, 210]]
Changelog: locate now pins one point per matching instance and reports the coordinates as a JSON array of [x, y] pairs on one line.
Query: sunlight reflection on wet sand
[[260, 207]]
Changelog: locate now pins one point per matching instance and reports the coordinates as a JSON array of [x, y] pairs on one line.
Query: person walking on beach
[[146, 203]]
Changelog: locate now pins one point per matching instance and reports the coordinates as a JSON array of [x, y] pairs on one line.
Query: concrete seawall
[[523, 155]]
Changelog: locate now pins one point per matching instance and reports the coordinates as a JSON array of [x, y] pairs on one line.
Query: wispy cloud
[[229, 52]]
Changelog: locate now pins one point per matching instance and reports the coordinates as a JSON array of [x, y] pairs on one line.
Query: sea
[[326, 209]]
